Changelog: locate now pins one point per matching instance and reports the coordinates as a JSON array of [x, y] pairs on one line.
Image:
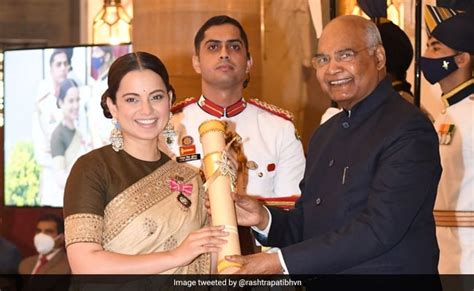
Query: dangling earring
[[116, 138], [169, 132]]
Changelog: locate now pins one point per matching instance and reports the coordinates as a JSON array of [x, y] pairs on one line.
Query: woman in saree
[[66, 141], [129, 208]]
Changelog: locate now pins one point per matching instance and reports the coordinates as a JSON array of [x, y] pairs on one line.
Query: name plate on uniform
[[188, 158]]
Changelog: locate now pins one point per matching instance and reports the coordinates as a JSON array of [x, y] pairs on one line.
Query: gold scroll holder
[[220, 182]]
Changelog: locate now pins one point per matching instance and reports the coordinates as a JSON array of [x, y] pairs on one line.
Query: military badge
[[185, 189], [184, 200], [445, 133], [271, 167], [251, 165], [187, 140], [187, 150], [188, 158], [178, 185]]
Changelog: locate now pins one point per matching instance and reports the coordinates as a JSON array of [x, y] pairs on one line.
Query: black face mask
[[436, 70]]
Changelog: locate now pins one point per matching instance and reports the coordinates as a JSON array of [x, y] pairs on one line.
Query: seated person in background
[[130, 209], [49, 243], [9, 257]]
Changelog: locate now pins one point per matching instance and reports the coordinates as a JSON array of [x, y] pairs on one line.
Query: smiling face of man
[[349, 63]]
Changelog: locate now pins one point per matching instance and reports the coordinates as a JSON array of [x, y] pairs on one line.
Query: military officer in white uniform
[[274, 154], [274, 157], [448, 61]]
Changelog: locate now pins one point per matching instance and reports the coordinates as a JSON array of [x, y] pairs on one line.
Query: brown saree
[[148, 217]]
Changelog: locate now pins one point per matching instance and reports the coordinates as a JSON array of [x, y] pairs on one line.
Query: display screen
[[52, 116]]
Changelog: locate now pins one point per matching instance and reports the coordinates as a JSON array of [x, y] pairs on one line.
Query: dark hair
[[132, 62], [53, 217], [63, 88], [66, 51], [220, 20], [398, 49]]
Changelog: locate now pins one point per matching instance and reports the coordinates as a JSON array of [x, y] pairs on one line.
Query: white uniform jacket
[[455, 128], [270, 143]]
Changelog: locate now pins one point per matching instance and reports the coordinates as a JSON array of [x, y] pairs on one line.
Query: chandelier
[[112, 25]]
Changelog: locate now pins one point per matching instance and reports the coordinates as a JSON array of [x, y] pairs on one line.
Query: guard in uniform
[[448, 61], [272, 160]]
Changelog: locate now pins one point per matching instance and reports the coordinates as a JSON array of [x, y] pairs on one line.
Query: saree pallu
[[74, 150], [148, 217]]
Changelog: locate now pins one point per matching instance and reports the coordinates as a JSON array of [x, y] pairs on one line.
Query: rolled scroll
[[220, 179]]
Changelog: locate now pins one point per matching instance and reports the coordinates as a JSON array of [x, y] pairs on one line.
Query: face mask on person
[[43, 243], [97, 62], [436, 70]]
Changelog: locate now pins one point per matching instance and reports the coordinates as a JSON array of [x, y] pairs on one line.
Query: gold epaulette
[[180, 105], [272, 109]]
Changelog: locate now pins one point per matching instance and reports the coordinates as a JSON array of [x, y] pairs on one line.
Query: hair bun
[[103, 104]]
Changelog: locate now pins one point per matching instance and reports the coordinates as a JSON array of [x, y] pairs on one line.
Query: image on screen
[[52, 117]]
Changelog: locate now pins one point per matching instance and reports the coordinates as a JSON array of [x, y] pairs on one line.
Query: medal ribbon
[[181, 187]]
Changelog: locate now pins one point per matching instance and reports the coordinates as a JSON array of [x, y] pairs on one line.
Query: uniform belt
[[287, 202], [449, 218]]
